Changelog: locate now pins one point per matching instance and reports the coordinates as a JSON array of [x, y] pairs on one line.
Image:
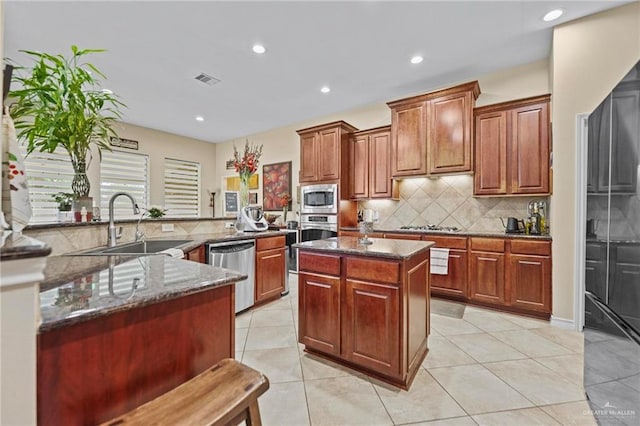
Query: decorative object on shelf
[[277, 181], [156, 212], [60, 103], [271, 218], [212, 202], [285, 202], [64, 200], [246, 165]]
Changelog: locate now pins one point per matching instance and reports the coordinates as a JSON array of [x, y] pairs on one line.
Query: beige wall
[[158, 145], [590, 56], [283, 144]]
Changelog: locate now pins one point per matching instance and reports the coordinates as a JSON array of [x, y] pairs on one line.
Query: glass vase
[[80, 183], [244, 190]]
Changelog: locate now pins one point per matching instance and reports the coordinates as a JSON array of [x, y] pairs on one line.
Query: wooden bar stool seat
[[225, 394]]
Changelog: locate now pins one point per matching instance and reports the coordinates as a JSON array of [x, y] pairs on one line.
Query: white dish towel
[[439, 261], [173, 252]]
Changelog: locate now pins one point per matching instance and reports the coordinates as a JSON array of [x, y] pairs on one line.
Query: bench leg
[[253, 416]]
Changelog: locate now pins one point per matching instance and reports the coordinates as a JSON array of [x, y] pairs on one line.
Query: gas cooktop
[[431, 228]]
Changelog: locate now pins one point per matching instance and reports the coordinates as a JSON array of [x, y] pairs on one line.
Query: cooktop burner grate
[[431, 228]]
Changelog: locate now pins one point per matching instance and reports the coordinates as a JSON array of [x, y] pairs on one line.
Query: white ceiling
[[360, 49]]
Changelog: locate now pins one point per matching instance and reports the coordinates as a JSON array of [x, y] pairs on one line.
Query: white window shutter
[[181, 188], [123, 172]]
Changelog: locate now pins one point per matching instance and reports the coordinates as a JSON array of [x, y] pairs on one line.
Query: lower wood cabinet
[[529, 280], [319, 320], [486, 277], [270, 268], [196, 255], [454, 284]]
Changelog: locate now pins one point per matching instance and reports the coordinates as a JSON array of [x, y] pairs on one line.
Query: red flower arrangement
[[248, 163]]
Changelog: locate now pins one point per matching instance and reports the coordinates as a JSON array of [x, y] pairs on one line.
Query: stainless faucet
[[139, 234], [113, 236]]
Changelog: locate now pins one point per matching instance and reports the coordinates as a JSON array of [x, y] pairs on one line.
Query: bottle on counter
[[535, 221], [543, 220]]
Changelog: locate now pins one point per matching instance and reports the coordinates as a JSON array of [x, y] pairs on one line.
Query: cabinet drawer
[[488, 244], [542, 248], [595, 251], [373, 270], [321, 263], [269, 243], [628, 254], [402, 236], [447, 242]]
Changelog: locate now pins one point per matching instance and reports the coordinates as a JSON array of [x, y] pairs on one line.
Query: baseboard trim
[[562, 323]]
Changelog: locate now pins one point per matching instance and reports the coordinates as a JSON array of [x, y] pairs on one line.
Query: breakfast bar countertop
[[394, 249], [79, 288]]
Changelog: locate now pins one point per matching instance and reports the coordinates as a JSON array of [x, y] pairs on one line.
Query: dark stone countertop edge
[[87, 316], [48, 225], [365, 253], [24, 252], [456, 233]]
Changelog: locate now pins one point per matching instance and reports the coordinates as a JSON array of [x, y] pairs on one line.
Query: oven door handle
[[319, 227]]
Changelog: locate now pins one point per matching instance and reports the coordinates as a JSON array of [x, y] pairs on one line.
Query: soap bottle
[[83, 214]]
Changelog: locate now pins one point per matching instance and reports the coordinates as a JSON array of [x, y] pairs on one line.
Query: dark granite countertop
[[389, 248], [17, 246], [80, 288], [47, 225], [455, 233]]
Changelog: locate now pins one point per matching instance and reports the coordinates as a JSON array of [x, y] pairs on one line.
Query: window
[[123, 172], [48, 173], [181, 188]]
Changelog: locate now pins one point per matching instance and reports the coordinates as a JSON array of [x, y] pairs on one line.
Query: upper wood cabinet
[[432, 133], [512, 147], [322, 151], [370, 171]]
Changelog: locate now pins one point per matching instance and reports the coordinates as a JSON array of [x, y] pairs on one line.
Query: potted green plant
[[64, 200], [59, 102]]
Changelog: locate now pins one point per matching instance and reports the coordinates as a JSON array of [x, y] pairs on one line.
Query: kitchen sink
[[140, 248]]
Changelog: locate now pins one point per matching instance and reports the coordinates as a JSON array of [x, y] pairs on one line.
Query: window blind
[[48, 174], [123, 172], [181, 188]]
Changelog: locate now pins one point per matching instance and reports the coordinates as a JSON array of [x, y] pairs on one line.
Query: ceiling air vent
[[206, 79]]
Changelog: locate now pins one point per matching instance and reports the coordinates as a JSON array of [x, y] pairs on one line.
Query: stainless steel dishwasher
[[239, 256]]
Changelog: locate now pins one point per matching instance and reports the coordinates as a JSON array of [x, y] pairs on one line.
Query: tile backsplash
[[447, 201]]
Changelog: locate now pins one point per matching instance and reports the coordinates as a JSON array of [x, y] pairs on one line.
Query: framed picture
[[231, 204], [253, 197], [276, 181]]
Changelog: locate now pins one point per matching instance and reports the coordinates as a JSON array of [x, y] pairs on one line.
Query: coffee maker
[[253, 218]]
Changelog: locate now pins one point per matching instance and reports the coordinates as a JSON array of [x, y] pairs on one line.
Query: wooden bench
[[225, 394]]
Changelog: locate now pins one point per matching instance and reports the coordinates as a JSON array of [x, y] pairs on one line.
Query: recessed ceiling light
[[199, 118], [258, 48], [325, 89], [553, 15], [416, 59]]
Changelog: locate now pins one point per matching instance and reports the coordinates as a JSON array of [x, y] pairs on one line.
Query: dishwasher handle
[[231, 248]]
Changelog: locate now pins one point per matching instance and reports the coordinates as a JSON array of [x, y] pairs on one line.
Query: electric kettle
[[513, 225]]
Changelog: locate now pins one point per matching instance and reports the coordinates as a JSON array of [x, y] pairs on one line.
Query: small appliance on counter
[[537, 217], [513, 225], [366, 225], [253, 219]]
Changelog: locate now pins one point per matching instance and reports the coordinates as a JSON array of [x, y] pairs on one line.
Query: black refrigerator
[[612, 261]]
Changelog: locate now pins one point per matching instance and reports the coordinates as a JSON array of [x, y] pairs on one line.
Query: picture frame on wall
[[276, 181], [231, 203]]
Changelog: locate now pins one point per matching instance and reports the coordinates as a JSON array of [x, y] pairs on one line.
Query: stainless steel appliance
[[253, 218], [318, 227], [319, 199], [292, 237], [612, 257], [239, 256]]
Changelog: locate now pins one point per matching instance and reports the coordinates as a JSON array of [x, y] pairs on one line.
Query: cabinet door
[[625, 137], [486, 281], [409, 140], [196, 255], [529, 145], [596, 138], [380, 181], [529, 282], [319, 309], [402, 236], [371, 328], [491, 154], [449, 134], [455, 282], [308, 161], [624, 292], [359, 170], [270, 273], [328, 154]]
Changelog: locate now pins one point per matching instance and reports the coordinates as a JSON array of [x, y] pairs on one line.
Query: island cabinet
[[270, 268], [432, 133], [370, 171], [512, 148], [454, 283], [514, 274], [196, 255], [367, 312], [324, 152]]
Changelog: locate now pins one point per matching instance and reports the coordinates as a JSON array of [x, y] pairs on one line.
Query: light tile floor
[[487, 368]]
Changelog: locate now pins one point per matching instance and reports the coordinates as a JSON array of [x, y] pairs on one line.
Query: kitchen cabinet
[[529, 275], [512, 148], [270, 268], [324, 152], [370, 172], [454, 284], [397, 236], [486, 271], [623, 290], [614, 129], [196, 255], [432, 133], [369, 313]]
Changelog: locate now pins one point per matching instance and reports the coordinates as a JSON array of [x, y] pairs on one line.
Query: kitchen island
[[117, 332], [366, 306]]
